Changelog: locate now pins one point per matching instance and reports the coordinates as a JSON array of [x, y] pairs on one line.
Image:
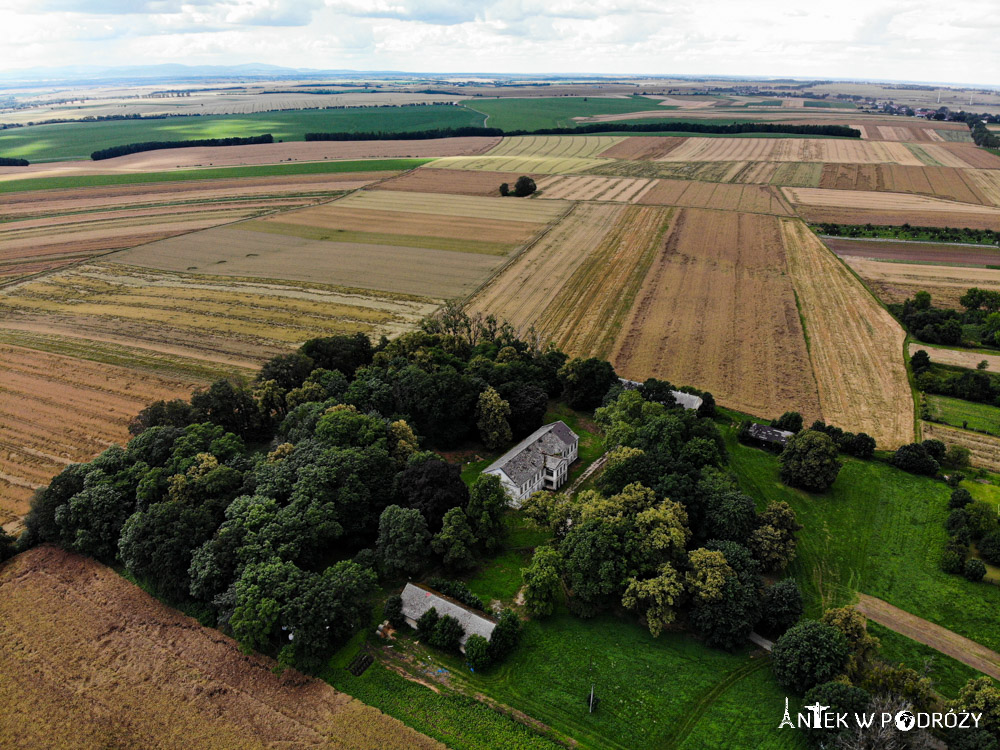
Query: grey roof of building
[[687, 400], [769, 434], [527, 458], [418, 599]]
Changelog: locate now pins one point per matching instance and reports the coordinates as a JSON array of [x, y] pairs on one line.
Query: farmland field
[[984, 449], [964, 414], [958, 357], [914, 252], [40, 143], [593, 188], [456, 181], [856, 346], [791, 150], [884, 201], [692, 322], [56, 410], [894, 282], [945, 182], [552, 112], [91, 661]]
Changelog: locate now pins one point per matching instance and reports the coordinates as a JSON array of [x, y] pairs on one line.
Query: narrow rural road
[[948, 643]]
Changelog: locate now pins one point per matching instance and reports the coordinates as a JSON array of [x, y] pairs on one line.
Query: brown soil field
[[984, 450], [882, 201], [791, 150], [918, 252], [944, 182], [717, 311], [90, 661], [526, 287], [232, 251], [56, 410], [941, 639], [456, 181], [903, 134], [762, 199], [593, 188], [642, 148], [957, 357], [855, 345], [971, 220], [895, 282], [505, 209]]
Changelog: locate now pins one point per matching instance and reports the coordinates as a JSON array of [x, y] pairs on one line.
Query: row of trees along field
[[970, 385], [135, 148], [938, 325], [909, 232]]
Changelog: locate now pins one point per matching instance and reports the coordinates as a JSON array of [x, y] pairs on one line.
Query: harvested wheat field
[[791, 150], [454, 181], [642, 148], [91, 661], [577, 282], [882, 201], [954, 155], [593, 188], [717, 311], [57, 410], [984, 450], [957, 357], [205, 316], [855, 345], [525, 288], [915, 252], [988, 182], [556, 146], [975, 219], [761, 199], [504, 209], [894, 282], [537, 165], [944, 182], [903, 134]]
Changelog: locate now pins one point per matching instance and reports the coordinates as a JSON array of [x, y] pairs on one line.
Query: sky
[[915, 40]]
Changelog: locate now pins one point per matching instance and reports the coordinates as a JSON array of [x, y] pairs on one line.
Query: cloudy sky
[[926, 40]]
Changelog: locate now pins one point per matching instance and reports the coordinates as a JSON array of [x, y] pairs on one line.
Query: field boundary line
[[958, 647]]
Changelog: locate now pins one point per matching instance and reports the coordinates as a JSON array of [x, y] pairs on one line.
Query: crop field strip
[[803, 174], [957, 357], [944, 182], [91, 661], [984, 450], [717, 310], [791, 150], [884, 201], [914, 252], [896, 281], [452, 181], [205, 315], [56, 410], [855, 345], [593, 188], [954, 155]]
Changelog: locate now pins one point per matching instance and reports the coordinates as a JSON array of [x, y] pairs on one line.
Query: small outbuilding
[[764, 436], [418, 599], [687, 400]]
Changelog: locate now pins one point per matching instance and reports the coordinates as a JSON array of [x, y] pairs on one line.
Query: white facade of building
[[539, 462]]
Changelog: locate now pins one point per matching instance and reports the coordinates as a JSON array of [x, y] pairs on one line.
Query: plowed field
[[457, 181], [593, 188], [717, 310], [90, 661], [917, 252], [975, 219], [855, 345]]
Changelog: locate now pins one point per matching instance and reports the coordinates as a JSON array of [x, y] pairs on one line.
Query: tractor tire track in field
[[681, 733]]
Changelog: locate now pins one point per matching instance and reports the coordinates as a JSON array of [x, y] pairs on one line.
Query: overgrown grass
[[964, 414], [182, 175], [79, 139], [879, 531], [947, 674]]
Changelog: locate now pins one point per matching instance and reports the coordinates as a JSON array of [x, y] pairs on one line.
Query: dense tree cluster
[[970, 522], [275, 504], [666, 534], [135, 148], [936, 325], [908, 232], [6, 161], [969, 385]]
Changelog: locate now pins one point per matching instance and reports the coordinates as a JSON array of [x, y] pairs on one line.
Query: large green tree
[[403, 541], [809, 461], [541, 581], [487, 508], [491, 419], [455, 542], [809, 654]]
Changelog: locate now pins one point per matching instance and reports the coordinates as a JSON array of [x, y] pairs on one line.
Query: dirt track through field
[[90, 661], [918, 629]]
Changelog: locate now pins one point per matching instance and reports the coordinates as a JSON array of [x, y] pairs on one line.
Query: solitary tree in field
[[504, 189], [809, 461], [524, 186]]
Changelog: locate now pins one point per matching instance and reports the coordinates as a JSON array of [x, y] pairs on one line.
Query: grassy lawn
[[964, 414], [181, 175], [947, 674], [78, 140], [879, 531], [554, 112]]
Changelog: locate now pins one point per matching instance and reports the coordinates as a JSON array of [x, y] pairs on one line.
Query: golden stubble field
[[91, 661], [895, 282]]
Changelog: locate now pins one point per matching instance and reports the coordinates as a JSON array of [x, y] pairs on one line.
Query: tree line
[[940, 325], [135, 148], [9, 162], [908, 232], [840, 131]]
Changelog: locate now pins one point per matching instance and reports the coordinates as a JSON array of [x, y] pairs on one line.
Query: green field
[[947, 674], [965, 414], [828, 104], [879, 531], [77, 140], [221, 173], [554, 112]]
